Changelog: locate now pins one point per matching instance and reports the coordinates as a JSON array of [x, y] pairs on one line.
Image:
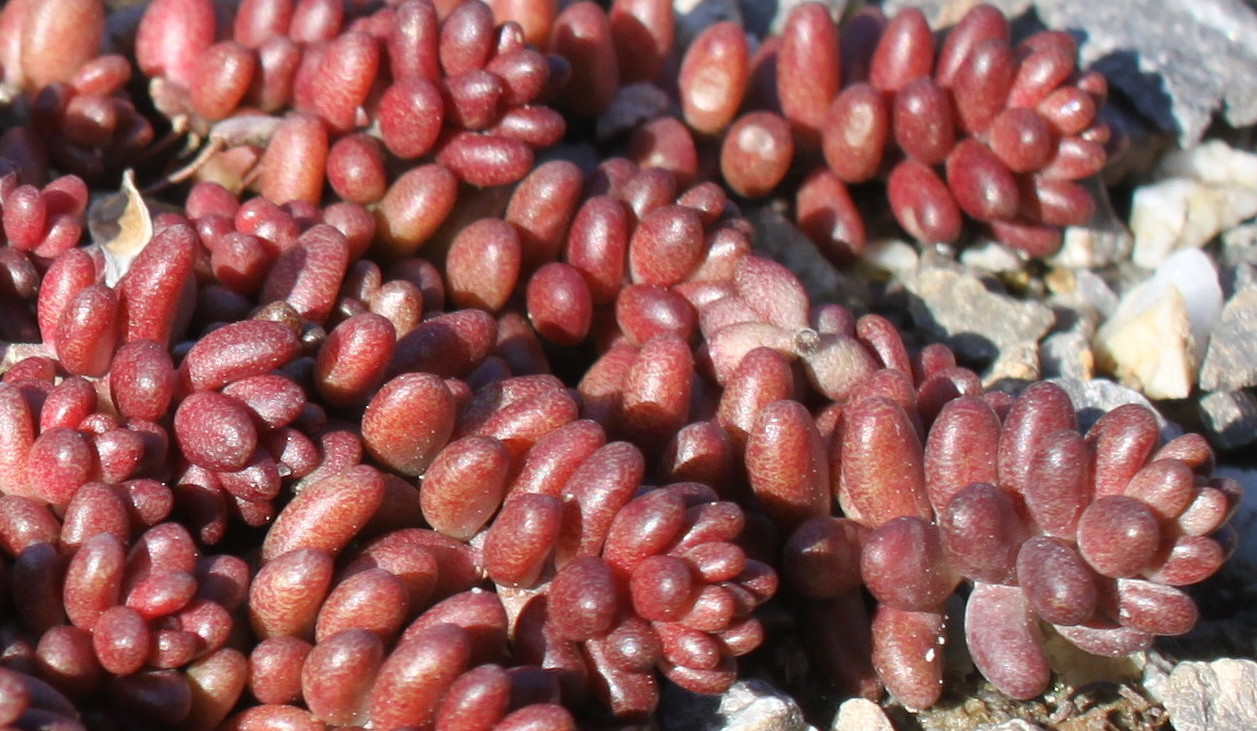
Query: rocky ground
[[1155, 299]]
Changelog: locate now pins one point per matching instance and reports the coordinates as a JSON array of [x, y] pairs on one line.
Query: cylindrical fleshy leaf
[[464, 485], [1004, 640], [1056, 485], [960, 449], [883, 474], [326, 514], [908, 654], [905, 565], [983, 531], [593, 494], [408, 421], [1059, 585], [787, 465]]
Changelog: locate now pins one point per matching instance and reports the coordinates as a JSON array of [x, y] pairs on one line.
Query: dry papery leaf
[[121, 225]]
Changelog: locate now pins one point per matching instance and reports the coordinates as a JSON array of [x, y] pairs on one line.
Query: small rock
[[890, 256], [1198, 194], [976, 322], [991, 256], [1180, 213], [1019, 362], [1014, 724], [1239, 245], [753, 705], [1231, 360], [1067, 354], [1242, 277], [1156, 339], [1102, 241], [1156, 673], [1208, 696], [1081, 300], [1093, 246], [1151, 350], [1082, 290], [1230, 417], [1213, 162], [1237, 276], [748, 705], [861, 714], [1238, 259]]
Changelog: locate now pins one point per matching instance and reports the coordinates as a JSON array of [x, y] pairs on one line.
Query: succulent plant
[[1090, 533], [979, 128], [362, 400]]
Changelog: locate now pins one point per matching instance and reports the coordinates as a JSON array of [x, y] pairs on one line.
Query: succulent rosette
[[1093, 533]]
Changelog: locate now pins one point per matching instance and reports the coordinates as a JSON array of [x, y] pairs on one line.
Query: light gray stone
[[1238, 258], [1231, 360], [748, 705], [1081, 300], [754, 705], [1067, 354], [1156, 673], [1083, 291], [1017, 362], [1230, 417], [978, 323], [861, 714], [992, 256], [1240, 277], [1239, 244], [1238, 268], [1194, 195], [1212, 696]]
